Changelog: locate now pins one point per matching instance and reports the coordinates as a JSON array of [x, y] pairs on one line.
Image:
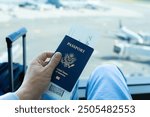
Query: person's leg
[[107, 82]]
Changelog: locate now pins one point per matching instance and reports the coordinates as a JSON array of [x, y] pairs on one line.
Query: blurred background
[[123, 27]]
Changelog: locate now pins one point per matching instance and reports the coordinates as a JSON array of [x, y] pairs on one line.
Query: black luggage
[[11, 74]]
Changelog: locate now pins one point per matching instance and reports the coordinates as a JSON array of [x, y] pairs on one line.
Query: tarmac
[[45, 34]]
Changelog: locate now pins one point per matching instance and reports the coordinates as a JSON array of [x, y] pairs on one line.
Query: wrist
[[27, 94]]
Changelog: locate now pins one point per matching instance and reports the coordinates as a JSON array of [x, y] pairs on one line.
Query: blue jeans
[[107, 82]]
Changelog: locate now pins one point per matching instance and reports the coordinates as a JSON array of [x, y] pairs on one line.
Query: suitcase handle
[[10, 39], [14, 36]]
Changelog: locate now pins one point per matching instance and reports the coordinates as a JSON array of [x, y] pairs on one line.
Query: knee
[[107, 82], [105, 68], [106, 72]]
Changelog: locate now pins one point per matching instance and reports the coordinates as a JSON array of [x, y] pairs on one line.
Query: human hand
[[38, 76]]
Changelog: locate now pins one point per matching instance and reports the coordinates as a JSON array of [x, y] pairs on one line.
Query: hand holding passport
[[75, 56]]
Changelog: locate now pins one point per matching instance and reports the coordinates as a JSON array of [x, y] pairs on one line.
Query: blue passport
[[75, 56]]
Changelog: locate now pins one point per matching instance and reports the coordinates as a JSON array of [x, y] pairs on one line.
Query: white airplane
[[132, 37], [134, 45]]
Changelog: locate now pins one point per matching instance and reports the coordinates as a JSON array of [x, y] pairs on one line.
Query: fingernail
[[57, 54]]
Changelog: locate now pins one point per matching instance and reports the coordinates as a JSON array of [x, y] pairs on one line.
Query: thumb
[[53, 62]]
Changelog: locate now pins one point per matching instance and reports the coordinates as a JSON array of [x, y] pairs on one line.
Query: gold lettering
[[76, 47]]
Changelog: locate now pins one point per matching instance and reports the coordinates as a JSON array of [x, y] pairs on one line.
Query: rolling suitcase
[[10, 39]]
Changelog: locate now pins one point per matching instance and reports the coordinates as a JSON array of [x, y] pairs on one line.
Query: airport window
[[123, 28]]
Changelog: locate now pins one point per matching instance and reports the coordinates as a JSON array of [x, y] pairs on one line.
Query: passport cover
[[75, 55]]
